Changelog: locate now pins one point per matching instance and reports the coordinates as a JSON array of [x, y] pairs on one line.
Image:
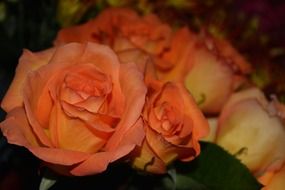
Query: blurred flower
[[250, 128], [210, 68], [121, 29]]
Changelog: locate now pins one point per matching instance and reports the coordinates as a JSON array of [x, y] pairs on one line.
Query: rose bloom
[[210, 68], [75, 107], [122, 29], [249, 129], [173, 125]]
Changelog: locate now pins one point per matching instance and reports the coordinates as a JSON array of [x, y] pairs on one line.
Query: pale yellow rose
[[210, 68], [250, 130]]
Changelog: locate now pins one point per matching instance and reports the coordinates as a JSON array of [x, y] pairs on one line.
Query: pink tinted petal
[[134, 90], [28, 62]]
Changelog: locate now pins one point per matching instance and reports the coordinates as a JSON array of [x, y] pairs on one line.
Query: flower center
[[96, 85], [168, 117]]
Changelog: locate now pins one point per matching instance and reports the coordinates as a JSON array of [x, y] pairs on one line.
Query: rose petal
[[15, 134], [147, 160], [163, 149], [100, 30], [254, 130], [200, 124], [23, 133], [107, 62], [72, 133], [134, 89], [205, 79], [81, 33], [230, 53], [236, 98], [96, 121], [277, 182], [98, 162], [134, 56], [95, 164], [176, 62], [28, 62], [36, 97]]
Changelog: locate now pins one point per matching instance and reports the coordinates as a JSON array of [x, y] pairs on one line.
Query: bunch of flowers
[[129, 88]]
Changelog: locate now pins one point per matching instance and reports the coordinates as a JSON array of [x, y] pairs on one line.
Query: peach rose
[[75, 107], [210, 68], [122, 29], [173, 126], [249, 129]]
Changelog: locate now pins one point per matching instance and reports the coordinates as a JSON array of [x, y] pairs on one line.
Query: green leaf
[[214, 169], [184, 182]]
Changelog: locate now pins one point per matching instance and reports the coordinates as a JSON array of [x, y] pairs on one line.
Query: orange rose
[[75, 107], [121, 29], [209, 67], [173, 126], [249, 128]]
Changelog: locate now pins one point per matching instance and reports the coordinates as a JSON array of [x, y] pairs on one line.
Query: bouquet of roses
[[125, 88]]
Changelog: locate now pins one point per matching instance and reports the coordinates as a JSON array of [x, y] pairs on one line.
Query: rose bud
[[75, 107], [173, 125], [203, 63], [248, 129], [122, 29]]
